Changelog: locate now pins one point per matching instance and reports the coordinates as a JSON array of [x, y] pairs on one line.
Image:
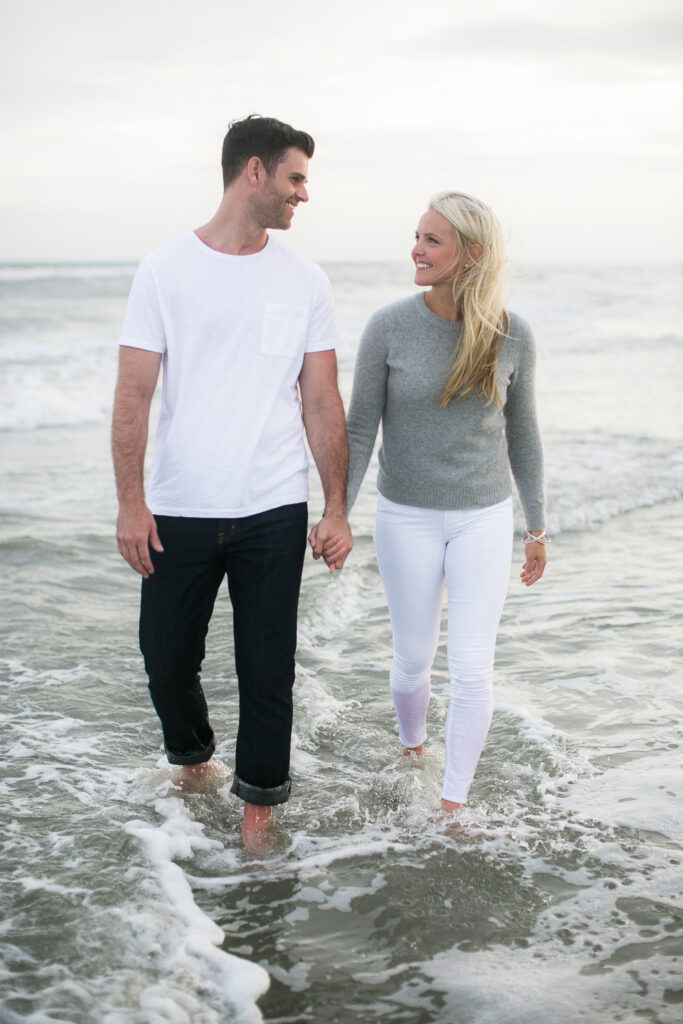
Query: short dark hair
[[264, 137]]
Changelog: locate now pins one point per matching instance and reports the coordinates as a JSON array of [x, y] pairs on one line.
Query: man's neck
[[232, 230], [233, 243]]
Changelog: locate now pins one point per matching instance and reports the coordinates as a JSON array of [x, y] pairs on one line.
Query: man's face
[[282, 191]]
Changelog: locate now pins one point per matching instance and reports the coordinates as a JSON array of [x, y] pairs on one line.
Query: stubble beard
[[272, 212]]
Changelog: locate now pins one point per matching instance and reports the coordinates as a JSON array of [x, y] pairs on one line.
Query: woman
[[449, 374]]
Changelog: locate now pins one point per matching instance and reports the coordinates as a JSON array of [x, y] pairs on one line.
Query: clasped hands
[[331, 540]]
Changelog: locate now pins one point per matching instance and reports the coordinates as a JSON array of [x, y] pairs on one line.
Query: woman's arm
[[367, 403], [525, 451]]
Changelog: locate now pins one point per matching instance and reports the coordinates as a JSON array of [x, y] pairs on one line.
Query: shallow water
[[555, 897]]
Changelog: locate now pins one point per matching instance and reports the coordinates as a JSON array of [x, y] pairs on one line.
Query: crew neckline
[[431, 315], [232, 255]]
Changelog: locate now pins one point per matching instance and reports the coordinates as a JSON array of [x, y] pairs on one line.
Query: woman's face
[[435, 253]]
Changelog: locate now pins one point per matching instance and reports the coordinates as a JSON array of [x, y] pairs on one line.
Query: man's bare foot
[[256, 828], [195, 778], [414, 750], [449, 806]]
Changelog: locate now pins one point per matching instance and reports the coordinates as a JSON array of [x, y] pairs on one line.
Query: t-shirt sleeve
[[143, 325], [322, 331]]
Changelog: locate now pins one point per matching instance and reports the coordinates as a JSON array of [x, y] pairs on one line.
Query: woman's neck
[[440, 301]]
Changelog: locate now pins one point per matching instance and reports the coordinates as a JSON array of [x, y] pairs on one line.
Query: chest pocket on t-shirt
[[284, 330]]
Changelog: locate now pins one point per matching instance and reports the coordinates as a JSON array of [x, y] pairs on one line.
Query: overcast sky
[[565, 117]]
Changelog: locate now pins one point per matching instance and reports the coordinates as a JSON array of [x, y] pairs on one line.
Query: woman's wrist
[[536, 537]]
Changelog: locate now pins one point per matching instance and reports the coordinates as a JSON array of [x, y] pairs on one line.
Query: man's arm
[[323, 414], [135, 526]]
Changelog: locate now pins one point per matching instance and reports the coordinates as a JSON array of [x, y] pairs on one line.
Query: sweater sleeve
[[367, 403], [521, 429]]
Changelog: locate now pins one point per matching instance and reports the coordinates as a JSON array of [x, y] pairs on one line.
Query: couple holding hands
[[244, 328]]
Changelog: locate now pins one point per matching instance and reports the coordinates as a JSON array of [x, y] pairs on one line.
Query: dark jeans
[[263, 557]]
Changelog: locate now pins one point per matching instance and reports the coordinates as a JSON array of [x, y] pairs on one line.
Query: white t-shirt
[[233, 332]]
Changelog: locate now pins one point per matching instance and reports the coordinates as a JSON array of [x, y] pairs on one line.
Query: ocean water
[[556, 896]]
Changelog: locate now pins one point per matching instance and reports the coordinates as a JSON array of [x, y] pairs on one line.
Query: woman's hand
[[536, 558], [331, 539]]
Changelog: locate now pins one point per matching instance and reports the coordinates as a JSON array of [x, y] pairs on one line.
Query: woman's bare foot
[[414, 750], [194, 778], [256, 828], [448, 806]]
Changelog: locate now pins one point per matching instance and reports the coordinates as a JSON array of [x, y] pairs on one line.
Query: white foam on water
[[317, 712], [238, 982], [342, 898], [649, 796], [330, 605], [520, 706], [20, 676], [30, 884], [154, 956], [296, 978], [590, 956], [534, 987], [603, 510], [299, 861], [606, 948], [45, 387]]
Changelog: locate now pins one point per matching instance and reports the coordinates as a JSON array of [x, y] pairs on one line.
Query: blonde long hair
[[479, 292]]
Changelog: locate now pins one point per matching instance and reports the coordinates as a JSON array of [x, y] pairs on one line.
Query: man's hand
[[331, 540], [135, 531]]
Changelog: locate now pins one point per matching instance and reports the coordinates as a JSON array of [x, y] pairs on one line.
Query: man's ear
[[255, 170]]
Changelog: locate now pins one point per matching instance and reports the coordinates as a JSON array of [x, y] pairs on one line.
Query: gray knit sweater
[[457, 457]]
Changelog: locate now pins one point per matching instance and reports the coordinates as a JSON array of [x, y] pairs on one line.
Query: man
[[244, 328]]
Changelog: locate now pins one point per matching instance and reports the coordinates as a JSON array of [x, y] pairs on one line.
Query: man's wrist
[[132, 500], [335, 511]]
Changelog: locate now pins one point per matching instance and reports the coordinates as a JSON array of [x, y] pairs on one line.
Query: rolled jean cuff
[[259, 796], [194, 757]]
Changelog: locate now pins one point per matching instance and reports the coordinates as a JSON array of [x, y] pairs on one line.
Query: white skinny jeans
[[417, 550]]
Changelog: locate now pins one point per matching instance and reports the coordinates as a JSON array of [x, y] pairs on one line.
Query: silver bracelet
[[542, 538]]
